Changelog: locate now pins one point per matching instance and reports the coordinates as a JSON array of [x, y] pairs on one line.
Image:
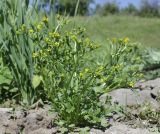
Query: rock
[[34, 117], [131, 97], [156, 91], [125, 97], [39, 117], [145, 96], [20, 114], [44, 131], [151, 84], [119, 128], [31, 122]]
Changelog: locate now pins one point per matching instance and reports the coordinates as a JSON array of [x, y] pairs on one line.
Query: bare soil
[[39, 120]]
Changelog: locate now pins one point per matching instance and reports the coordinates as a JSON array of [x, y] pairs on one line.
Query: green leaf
[[61, 123], [14, 89], [63, 130], [36, 81], [3, 80], [84, 130], [104, 122], [71, 126], [70, 109], [5, 76]]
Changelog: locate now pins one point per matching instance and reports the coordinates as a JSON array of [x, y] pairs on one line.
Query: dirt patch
[[39, 121], [121, 128]]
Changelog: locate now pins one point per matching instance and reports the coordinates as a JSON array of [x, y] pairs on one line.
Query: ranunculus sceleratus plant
[[69, 82], [123, 65]]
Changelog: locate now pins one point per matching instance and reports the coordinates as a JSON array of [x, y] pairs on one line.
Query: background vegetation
[[45, 59], [147, 9]]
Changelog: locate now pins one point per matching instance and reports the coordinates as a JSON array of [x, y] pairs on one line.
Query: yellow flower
[[56, 44], [118, 67], [140, 75], [131, 84], [31, 31], [126, 40], [103, 80], [86, 70], [23, 27], [87, 41], [98, 73], [138, 59], [49, 50], [92, 46], [101, 68], [44, 54], [34, 55], [81, 75], [46, 40], [41, 52], [97, 46], [18, 32], [45, 19], [54, 35], [74, 38], [39, 27]]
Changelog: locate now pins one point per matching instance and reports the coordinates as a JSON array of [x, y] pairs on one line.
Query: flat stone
[[131, 97], [125, 97], [156, 91], [150, 84]]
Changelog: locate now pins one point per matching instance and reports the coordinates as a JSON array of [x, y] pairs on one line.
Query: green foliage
[[5, 84], [123, 65], [151, 59], [68, 80], [151, 63], [149, 9], [17, 48], [69, 7], [130, 10], [44, 61], [108, 8]]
